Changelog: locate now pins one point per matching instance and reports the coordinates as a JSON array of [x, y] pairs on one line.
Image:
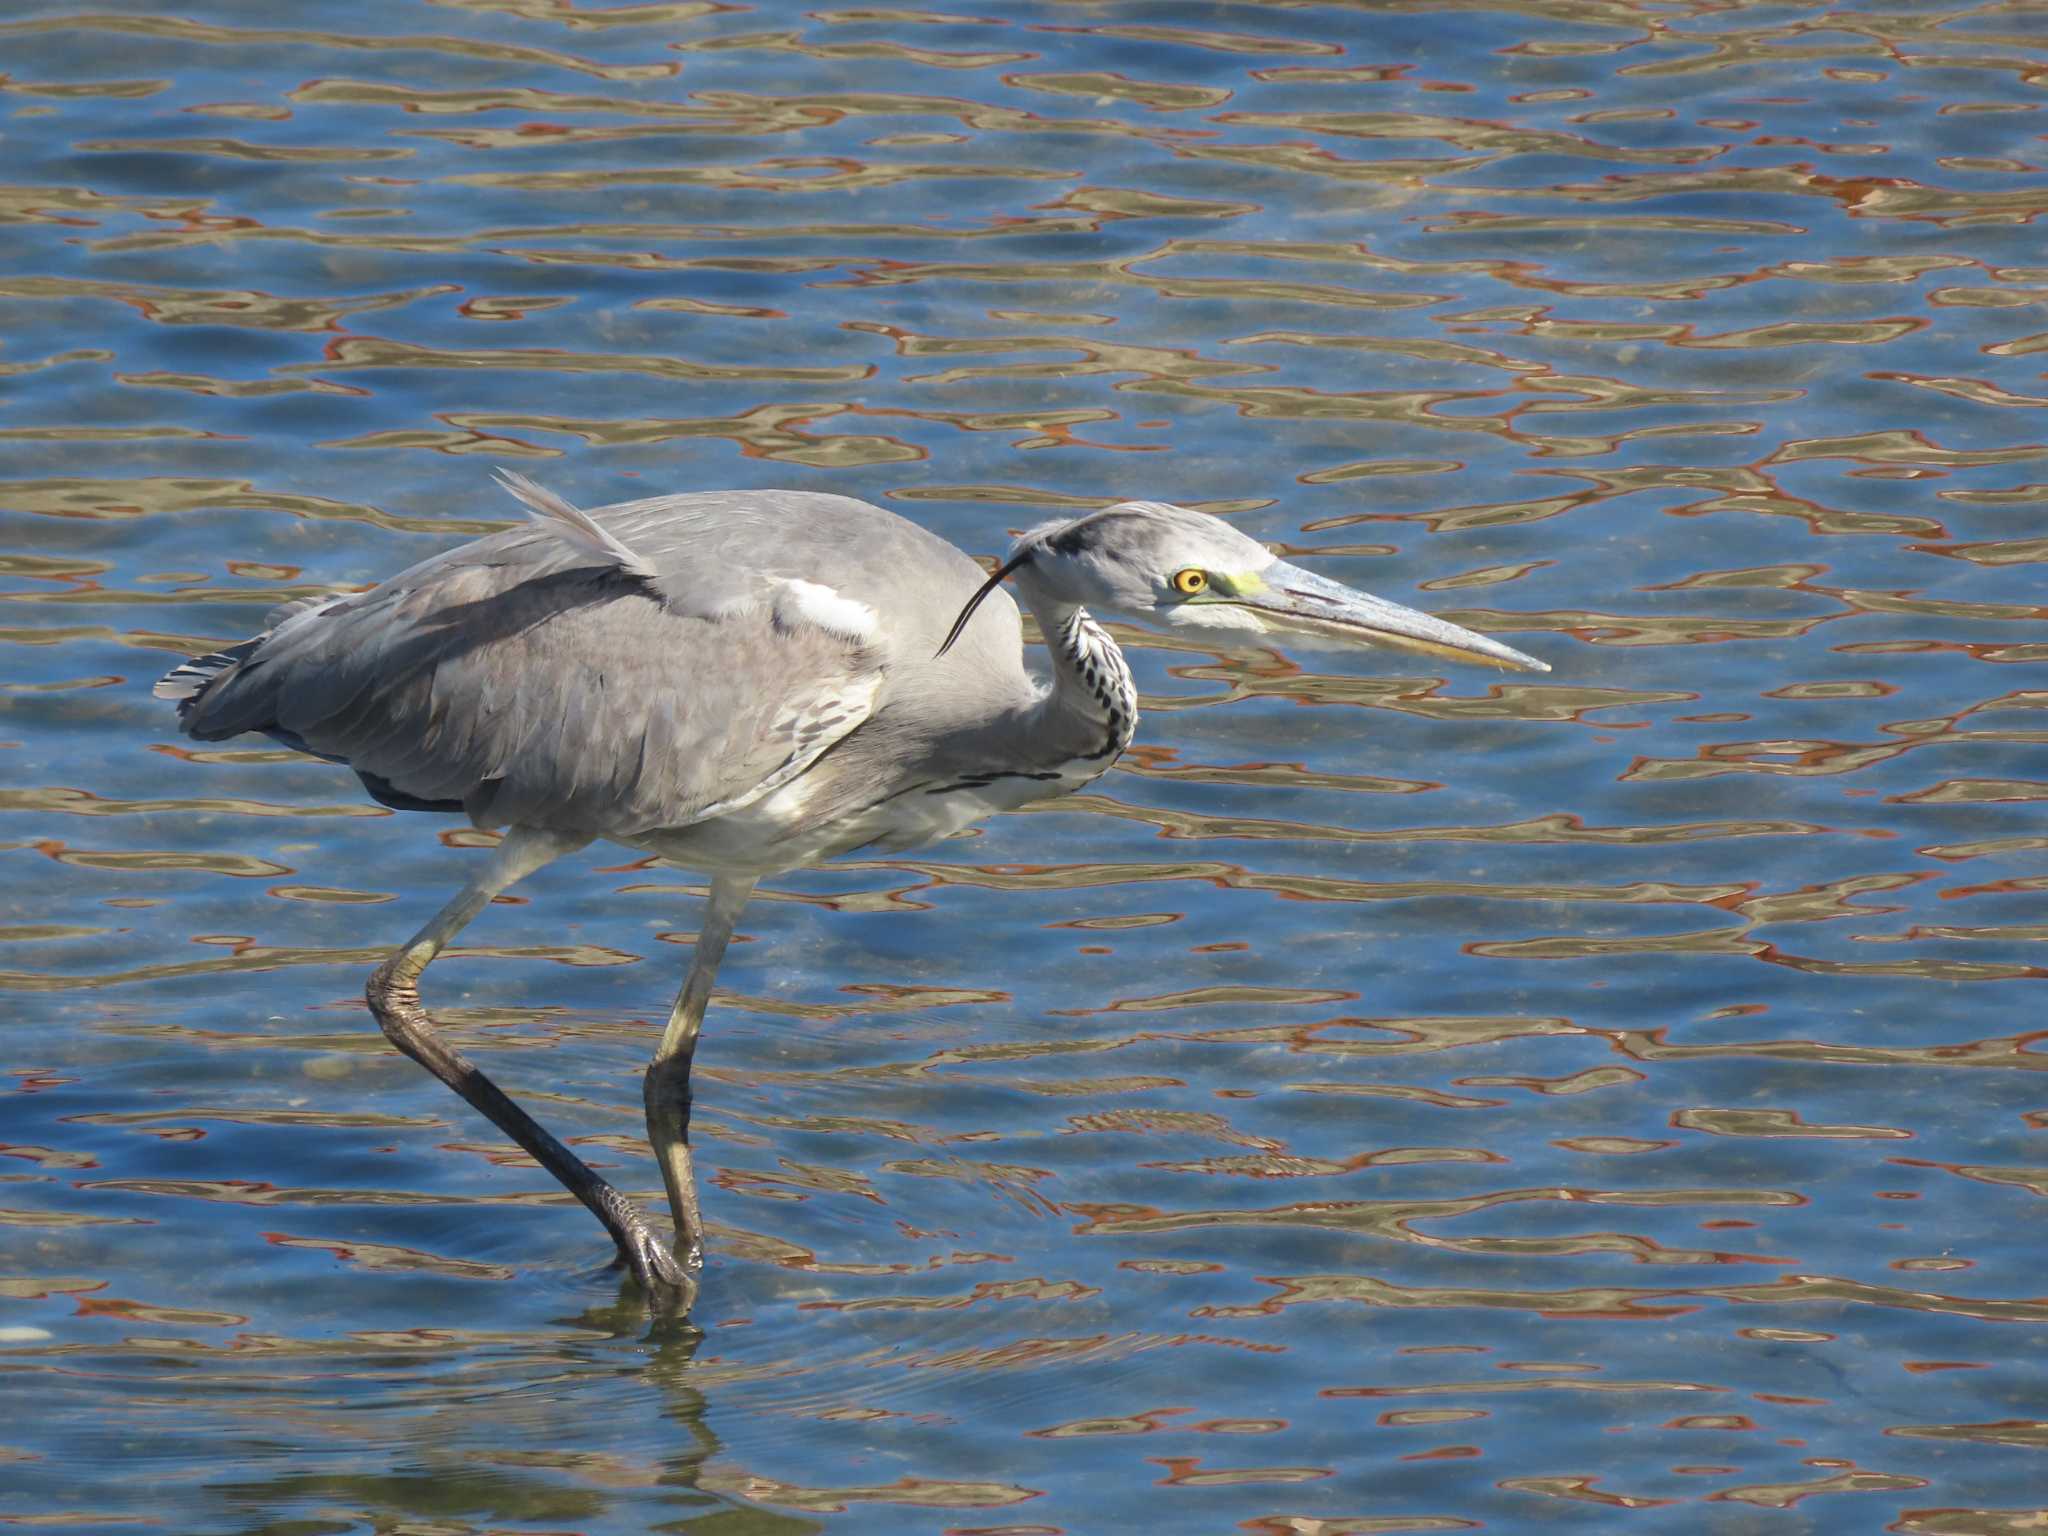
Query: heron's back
[[531, 678]]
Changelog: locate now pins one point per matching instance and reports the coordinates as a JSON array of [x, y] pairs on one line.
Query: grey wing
[[527, 681]]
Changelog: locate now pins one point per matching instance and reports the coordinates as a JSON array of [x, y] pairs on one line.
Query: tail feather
[[183, 684], [573, 525]]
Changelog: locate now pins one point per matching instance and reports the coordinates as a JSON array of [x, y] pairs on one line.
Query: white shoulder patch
[[810, 603]]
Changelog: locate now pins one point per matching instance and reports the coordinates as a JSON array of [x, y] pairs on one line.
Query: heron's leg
[[394, 997], [667, 1084]]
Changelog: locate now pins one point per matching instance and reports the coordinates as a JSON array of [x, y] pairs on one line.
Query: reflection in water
[[1385, 1103]]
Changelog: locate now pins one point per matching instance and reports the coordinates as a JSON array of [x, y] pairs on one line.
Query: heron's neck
[[1092, 710]]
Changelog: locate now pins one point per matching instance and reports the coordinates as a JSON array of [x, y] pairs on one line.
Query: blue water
[[1395, 1099]]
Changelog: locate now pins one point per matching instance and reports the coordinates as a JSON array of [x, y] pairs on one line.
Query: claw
[[670, 1285]]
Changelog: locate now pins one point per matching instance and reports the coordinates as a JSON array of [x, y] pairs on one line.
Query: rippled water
[[1390, 1101]]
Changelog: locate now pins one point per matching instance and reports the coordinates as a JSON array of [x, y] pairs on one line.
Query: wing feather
[[572, 524], [574, 699]]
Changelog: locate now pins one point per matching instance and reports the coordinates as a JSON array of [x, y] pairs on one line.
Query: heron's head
[[1168, 568]]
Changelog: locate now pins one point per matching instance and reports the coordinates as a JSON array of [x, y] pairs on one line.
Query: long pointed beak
[[1299, 601]]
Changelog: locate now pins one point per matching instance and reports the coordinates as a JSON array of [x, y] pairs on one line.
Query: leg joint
[[667, 1084], [393, 994]]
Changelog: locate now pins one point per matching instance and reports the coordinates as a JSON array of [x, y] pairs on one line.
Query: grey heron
[[741, 683]]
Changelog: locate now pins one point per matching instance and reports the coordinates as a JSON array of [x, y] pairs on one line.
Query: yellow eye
[[1190, 581]]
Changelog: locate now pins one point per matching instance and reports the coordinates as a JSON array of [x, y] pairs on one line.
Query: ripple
[[1602, 1026]]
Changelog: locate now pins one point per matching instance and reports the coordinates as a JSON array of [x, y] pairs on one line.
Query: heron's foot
[[670, 1283]]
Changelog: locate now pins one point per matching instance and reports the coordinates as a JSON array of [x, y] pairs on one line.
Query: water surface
[[1393, 1100]]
